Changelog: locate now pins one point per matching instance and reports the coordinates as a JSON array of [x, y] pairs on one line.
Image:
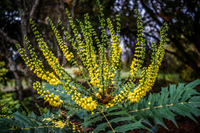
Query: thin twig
[[108, 121]]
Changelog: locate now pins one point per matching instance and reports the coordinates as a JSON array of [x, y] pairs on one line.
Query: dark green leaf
[[87, 123], [177, 93], [131, 126], [168, 114], [129, 118], [12, 122], [100, 127], [24, 119], [193, 84]]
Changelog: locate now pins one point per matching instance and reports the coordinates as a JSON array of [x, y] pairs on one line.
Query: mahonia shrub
[[106, 88], [109, 104]]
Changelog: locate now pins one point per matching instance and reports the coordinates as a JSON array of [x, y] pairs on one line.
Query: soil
[[186, 125]]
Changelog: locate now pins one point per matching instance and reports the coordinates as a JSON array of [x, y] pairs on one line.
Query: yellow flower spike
[[69, 56], [103, 67], [36, 65]]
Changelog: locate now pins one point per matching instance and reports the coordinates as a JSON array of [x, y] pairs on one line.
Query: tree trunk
[[12, 68], [5, 52], [25, 15]]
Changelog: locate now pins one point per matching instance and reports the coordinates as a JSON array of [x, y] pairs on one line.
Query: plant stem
[[108, 121]]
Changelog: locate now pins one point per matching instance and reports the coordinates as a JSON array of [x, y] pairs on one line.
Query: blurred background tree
[[183, 18]]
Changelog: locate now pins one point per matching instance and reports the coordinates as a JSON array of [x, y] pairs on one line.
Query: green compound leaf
[[177, 100], [114, 116], [195, 100], [167, 113], [25, 124], [123, 112], [177, 93], [11, 122], [24, 119]]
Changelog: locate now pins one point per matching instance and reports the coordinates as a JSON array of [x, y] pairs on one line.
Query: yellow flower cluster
[[37, 66], [37, 86], [123, 94], [93, 69], [51, 98], [68, 88], [139, 50], [51, 59], [89, 56], [86, 103], [90, 62], [104, 78], [69, 55], [2, 115], [149, 75], [104, 68], [145, 85], [94, 74], [136, 63], [116, 49]]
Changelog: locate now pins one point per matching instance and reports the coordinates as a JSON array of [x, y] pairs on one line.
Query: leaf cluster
[[171, 101]]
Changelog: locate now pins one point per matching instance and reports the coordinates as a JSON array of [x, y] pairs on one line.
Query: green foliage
[[22, 123], [169, 102], [8, 103], [48, 122]]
